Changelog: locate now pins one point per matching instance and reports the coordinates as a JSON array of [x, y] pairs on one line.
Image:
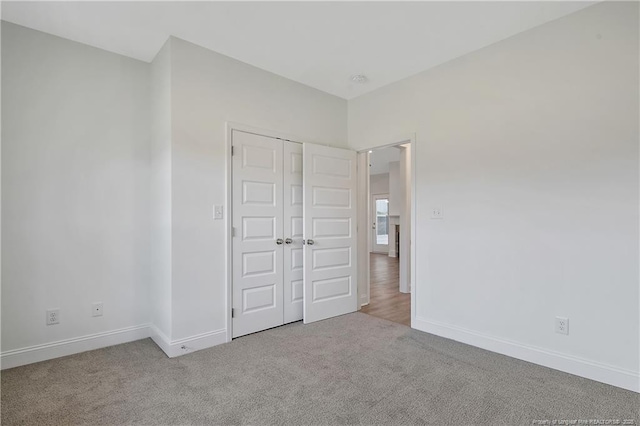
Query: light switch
[[217, 212], [437, 213]]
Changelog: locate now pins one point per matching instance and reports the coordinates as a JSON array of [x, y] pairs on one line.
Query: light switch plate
[[218, 212]]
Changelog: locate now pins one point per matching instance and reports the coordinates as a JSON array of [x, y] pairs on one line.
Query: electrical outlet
[[53, 316], [562, 325], [437, 213], [96, 309]]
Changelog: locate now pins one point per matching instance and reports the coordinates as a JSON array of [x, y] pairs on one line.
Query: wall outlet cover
[[562, 325], [53, 316]]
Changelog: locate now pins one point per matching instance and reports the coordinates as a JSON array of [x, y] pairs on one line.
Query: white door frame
[[374, 219], [365, 239], [228, 220]]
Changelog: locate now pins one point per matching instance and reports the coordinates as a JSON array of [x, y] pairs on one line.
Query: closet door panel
[[293, 232], [258, 227], [330, 257]]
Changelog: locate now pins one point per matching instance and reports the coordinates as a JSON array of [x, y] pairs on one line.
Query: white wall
[[379, 184], [75, 161], [0, 182], [209, 89], [395, 189], [379, 159], [531, 147], [160, 192], [396, 202], [110, 170]]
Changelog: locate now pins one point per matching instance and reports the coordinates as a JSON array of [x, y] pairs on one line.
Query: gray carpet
[[354, 369]]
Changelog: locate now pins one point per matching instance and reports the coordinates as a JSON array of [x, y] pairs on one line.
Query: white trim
[[160, 339], [230, 125], [593, 370], [187, 345], [362, 226], [228, 231], [413, 282], [405, 237], [37, 353]]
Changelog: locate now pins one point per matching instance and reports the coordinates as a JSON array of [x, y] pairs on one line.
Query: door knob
[[288, 241], [310, 242], [279, 241]]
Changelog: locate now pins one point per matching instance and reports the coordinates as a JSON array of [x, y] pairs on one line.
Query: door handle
[[279, 241], [310, 242], [288, 241]]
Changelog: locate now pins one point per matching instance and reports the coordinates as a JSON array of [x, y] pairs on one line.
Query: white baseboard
[[364, 300], [29, 355], [600, 372], [190, 344]]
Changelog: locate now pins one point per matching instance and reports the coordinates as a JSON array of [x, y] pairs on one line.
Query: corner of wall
[[191, 344]]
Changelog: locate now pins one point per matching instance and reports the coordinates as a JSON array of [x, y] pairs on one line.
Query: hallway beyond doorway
[[386, 300]]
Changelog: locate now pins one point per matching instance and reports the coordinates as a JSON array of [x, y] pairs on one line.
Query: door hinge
[[232, 150], [233, 312], [233, 231]]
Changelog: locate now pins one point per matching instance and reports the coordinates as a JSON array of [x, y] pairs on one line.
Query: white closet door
[[293, 256], [330, 279], [258, 225]]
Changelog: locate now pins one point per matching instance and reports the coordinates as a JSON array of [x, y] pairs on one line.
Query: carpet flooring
[[353, 369]]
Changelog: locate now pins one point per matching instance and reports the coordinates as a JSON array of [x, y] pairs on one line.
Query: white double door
[[284, 192]]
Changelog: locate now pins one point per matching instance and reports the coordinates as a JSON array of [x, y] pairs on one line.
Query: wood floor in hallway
[[386, 301]]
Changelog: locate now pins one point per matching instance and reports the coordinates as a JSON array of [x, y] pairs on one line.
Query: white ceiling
[[320, 44], [379, 159]]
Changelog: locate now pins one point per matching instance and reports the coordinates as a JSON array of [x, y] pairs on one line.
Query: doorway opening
[[389, 191]]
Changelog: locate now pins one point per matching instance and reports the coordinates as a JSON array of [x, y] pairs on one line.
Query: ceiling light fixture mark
[[359, 78]]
